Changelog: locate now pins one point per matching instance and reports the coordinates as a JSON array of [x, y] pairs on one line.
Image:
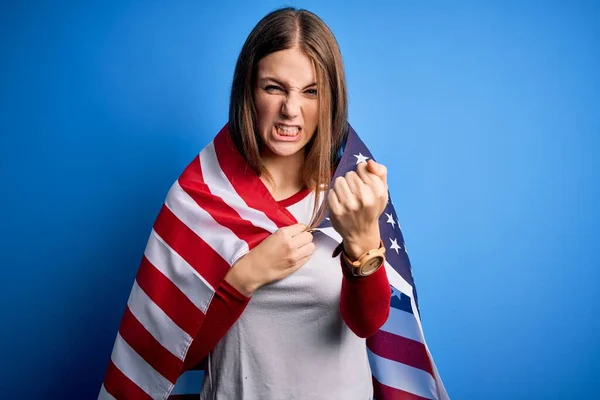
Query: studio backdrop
[[485, 113]]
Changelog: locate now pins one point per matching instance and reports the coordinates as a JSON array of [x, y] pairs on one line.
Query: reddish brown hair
[[283, 29]]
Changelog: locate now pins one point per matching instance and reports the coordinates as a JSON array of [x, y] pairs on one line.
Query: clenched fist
[[279, 255], [356, 202]]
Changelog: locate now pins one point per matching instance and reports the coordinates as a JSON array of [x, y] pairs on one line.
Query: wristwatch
[[366, 264]]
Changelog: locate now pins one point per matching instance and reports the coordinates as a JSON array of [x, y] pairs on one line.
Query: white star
[[390, 220], [395, 245], [360, 158]]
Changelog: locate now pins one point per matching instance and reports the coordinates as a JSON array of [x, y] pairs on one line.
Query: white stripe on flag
[[104, 395], [441, 390], [403, 324], [138, 371], [402, 376], [397, 281], [178, 271], [221, 239], [158, 323], [220, 185], [189, 383]]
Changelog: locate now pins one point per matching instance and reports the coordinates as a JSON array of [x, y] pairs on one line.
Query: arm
[[225, 308], [277, 256], [365, 301], [356, 203]]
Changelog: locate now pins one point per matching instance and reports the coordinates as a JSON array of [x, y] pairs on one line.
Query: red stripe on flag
[[247, 183], [121, 387], [169, 298], [383, 392], [201, 366], [400, 349], [191, 247], [192, 182], [150, 349]]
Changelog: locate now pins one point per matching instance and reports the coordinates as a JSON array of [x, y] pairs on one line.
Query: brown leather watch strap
[[340, 248]]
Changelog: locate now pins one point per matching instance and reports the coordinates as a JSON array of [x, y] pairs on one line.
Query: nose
[[291, 106]]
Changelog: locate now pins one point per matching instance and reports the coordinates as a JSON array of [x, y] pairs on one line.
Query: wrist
[[241, 278], [355, 246]]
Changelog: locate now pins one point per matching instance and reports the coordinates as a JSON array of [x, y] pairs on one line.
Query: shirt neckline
[[295, 198]]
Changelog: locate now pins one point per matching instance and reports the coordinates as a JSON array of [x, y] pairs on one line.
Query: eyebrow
[[269, 78]]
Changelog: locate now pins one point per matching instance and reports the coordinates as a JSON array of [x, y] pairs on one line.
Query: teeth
[[287, 130]]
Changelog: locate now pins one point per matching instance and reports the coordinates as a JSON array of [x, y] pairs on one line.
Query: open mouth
[[287, 130], [285, 133]]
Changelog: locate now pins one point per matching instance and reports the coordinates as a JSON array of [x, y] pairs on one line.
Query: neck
[[286, 172]]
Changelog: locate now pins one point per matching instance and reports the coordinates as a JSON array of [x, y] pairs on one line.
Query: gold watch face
[[371, 265]]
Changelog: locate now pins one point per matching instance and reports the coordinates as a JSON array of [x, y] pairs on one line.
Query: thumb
[[378, 169]]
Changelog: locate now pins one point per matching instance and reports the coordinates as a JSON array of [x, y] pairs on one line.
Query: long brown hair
[[280, 30]]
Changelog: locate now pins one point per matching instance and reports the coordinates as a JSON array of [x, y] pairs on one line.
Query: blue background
[[486, 114]]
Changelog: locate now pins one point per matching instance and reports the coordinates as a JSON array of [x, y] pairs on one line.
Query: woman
[[275, 315], [288, 110]]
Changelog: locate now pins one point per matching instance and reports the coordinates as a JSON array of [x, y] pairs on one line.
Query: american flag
[[216, 212]]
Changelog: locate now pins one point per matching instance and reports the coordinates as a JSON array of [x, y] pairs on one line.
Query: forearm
[[365, 301], [225, 308], [242, 278]]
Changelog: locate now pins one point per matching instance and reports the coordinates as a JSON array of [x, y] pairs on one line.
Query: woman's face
[[285, 96]]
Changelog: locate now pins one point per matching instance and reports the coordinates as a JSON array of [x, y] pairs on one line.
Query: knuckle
[[351, 175], [287, 243], [353, 206], [283, 232], [361, 200], [289, 261], [379, 189]]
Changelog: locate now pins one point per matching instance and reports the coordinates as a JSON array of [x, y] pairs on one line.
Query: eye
[[273, 89], [311, 92]]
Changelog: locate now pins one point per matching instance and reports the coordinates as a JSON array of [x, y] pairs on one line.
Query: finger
[[302, 239], [378, 169], [306, 251], [355, 184], [363, 173], [297, 265], [334, 202], [372, 181], [377, 185], [364, 193], [295, 229], [300, 258], [342, 190]]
